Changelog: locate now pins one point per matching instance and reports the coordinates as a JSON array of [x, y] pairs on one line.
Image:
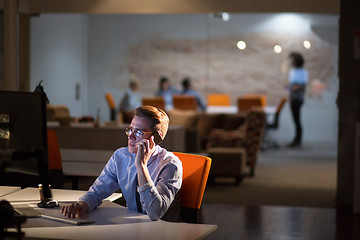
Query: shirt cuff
[[145, 186]]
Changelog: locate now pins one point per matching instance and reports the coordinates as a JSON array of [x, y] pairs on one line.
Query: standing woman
[[298, 78]]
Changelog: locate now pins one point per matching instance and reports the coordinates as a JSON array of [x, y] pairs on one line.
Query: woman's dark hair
[[297, 59], [162, 81]]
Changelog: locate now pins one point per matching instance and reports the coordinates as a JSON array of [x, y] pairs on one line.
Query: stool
[[227, 162]]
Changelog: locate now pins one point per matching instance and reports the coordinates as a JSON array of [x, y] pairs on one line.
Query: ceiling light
[[241, 45], [307, 44], [277, 48]]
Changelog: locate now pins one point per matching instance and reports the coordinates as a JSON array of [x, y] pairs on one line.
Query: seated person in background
[[148, 175], [187, 89], [166, 91], [131, 99]]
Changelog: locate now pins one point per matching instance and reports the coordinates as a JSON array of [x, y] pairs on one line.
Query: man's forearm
[[143, 174]]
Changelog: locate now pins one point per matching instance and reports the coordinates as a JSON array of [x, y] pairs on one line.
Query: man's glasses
[[138, 133]]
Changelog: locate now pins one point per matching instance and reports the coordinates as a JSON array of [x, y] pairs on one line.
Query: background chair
[[111, 103], [248, 136], [195, 174], [55, 162], [248, 102], [268, 142], [184, 102], [218, 99], [154, 101]]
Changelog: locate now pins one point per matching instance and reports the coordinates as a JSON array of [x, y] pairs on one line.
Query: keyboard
[[53, 215]]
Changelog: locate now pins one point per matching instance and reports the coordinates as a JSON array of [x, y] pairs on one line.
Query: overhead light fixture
[[277, 48], [307, 44], [223, 15], [241, 45]]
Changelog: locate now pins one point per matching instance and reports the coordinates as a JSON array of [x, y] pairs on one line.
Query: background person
[[166, 90], [298, 78], [188, 90], [132, 98]]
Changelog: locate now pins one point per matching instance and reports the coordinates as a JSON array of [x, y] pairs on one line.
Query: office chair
[[184, 102], [154, 101], [218, 99], [55, 161], [111, 103], [248, 102], [195, 174], [268, 142]]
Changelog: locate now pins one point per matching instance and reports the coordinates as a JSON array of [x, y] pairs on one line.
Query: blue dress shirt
[[156, 196]]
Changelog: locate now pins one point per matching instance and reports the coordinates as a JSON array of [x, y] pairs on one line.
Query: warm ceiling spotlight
[[277, 48], [241, 45], [307, 44]]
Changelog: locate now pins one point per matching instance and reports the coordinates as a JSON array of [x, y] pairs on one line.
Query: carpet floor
[[303, 177]]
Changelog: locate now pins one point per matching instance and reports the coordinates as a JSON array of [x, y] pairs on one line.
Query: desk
[[234, 109], [112, 222], [222, 109], [31, 195], [4, 190]]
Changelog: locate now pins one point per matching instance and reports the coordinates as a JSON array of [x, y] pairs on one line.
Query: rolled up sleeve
[[156, 198]]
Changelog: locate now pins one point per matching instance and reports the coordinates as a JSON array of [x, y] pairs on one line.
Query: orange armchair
[[195, 174], [248, 137]]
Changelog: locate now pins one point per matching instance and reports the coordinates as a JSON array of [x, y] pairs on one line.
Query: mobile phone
[[157, 138]]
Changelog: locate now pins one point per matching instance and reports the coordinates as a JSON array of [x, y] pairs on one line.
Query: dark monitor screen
[[23, 133], [27, 119]]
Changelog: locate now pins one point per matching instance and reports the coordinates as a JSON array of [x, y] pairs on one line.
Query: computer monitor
[[23, 135]]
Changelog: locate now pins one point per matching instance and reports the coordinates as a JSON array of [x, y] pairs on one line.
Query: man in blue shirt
[[148, 175], [187, 89], [166, 91]]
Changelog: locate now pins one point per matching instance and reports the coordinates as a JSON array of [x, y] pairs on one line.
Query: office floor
[[290, 198], [280, 175], [279, 223]]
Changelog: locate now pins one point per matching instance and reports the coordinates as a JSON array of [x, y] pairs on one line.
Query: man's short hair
[[158, 119], [186, 83]]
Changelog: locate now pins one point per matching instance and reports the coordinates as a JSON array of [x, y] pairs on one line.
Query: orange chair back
[[248, 102], [154, 101], [218, 99], [184, 102], [110, 100], [195, 174], [281, 104], [54, 156]]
